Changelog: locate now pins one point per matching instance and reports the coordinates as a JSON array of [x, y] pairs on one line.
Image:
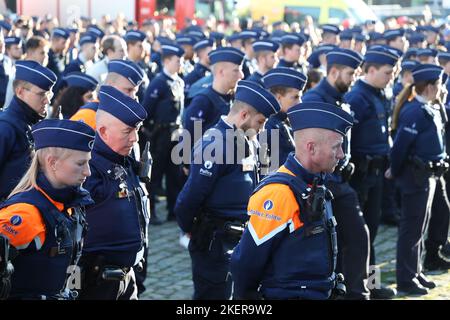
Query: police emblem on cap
[[91, 144], [16, 220], [268, 205]]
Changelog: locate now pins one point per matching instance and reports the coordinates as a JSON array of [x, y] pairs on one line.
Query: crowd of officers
[[337, 128]]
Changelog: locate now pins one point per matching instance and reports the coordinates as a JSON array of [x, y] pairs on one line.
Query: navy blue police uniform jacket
[[208, 186], [257, 78], [207, 106], [286, 143], [4, 79], [199, 72], [53, 64], [420, 133], [15, 143], [247, 68], [370, 134], [164, 99], [116, 220]]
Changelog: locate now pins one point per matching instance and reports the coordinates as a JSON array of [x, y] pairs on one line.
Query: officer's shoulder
[[21, 222], [7, 128]]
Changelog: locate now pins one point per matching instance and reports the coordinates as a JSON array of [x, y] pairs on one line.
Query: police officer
[[370, 140], [330, 34], [5, 72], [118, 221], [287, 86], [284, 221], [205, 208], [291, 51], [44, 216], [417, 163], [405, 76], [136, 41], [248, 37], [395, 38], [213, 102], [125, 76], [353, 235], [57, 58], [201, 68], [164, 101], [187, 42], [86, 56], [32, 89], [266, 58]]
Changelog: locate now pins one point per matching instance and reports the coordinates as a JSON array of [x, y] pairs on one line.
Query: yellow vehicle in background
[[322, 11]]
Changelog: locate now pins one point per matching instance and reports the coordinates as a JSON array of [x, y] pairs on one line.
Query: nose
[[340, 154], [87, 171], [134, 136]]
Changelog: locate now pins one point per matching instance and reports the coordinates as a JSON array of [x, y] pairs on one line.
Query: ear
[[311, 147], [50, 162], [103, 133]]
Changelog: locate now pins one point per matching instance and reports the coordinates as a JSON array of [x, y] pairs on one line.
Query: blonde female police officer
[[43, 218]]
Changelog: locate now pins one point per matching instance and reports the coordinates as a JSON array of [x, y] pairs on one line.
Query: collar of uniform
[[283, 63], [281, 116], [101, 148], [294, 165], [224, 123], [201, 67], [363, 83], [81, 58], [64, 198], [226, 97], [23, 111], [330, 90], [421, 99], [167, 74]]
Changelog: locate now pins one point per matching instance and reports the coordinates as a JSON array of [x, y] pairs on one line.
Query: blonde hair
[[28, 181]]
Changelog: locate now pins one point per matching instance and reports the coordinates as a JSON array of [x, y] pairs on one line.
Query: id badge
[[248, 164]]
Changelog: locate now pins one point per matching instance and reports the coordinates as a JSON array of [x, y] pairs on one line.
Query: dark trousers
[[161, 149], [390, 204], [211, 272], [369, 188], [95, 288], [439, 220], [417, 199], [353, 240]]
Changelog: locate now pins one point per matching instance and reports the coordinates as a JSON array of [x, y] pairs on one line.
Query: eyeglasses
[[42, 94]]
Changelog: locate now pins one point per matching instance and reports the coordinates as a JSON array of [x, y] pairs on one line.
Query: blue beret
[[164, 40], [186, 40], [226, 54], [427, 52], [416, 38], [121, 106], [248, 34], [346, 35], [33, 72], [82, 80], [12, 40], [409, 65], [361, 37], [265, 45], [381, 55], [172, 50], [96, 30], [392, 34], [128, 69], [5, 25], [68, 134], [197, 34], [411, 52], [444, 55], [330, 28], [202, 44], [60, 33], [292, 38], [217, 36], [87, 38], [427, 72], [234, 37], [320, 115], [344, 57], [313, 59], [135, 35], [374, 36], [284, 77], [256, 96]]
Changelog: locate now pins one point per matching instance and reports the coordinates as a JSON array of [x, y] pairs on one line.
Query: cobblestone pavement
[[169, 269]]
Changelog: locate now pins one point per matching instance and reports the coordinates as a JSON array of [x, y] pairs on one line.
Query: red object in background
[[145, 10], [184, 9]]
